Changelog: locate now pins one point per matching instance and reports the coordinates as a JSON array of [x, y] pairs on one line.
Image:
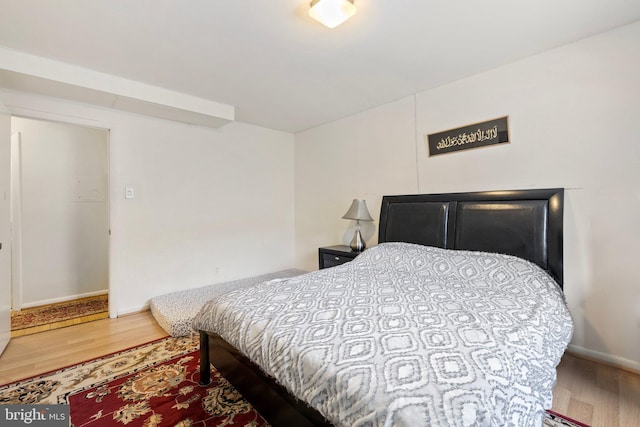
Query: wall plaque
[[491, 132]]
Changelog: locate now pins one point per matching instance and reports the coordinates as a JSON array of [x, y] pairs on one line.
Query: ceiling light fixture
[[332, 12]]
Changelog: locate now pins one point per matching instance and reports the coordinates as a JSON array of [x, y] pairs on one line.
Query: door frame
[[5, 228], [86, 122], [15, 183]]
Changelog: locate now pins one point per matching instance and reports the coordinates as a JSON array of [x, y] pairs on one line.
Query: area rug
[[59, 312], [155, 384], [553, 419]]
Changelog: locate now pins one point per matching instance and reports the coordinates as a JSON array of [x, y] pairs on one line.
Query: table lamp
[[358, 211]]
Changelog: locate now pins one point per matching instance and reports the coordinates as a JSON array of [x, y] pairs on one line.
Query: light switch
[[128, 193]]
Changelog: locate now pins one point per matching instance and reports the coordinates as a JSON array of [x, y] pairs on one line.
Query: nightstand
[[331, 256]]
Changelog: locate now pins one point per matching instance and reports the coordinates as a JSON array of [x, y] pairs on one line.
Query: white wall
[[65, 210], [210, 204], [573, 123], [363, 156]]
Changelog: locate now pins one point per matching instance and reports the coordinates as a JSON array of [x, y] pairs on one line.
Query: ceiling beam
[[30, 73]]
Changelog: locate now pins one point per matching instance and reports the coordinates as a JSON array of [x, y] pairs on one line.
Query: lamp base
[[357, 243]]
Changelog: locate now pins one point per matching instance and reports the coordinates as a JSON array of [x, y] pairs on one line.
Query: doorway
[[60, 216]]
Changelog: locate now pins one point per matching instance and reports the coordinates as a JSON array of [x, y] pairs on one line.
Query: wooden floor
[[590, 392], [597, 394], [33, 354]]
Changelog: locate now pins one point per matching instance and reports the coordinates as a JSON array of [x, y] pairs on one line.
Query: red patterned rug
[[555, 419], [155, 384], [167, 394], [59, 312]]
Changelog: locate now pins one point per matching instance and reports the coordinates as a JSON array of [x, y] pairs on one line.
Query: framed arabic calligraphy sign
[[481, 134]]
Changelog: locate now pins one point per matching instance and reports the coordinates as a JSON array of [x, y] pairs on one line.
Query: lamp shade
[[332, 12], [358, 211]]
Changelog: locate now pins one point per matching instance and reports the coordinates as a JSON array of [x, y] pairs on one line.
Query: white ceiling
[[282, 70]]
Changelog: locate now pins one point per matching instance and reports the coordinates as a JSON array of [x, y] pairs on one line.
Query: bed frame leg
[[205, 366]]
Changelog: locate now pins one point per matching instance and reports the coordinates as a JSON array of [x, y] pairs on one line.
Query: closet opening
[[59, 224]]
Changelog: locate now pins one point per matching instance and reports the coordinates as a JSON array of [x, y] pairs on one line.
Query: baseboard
[[133, 310], [615, 361], [63, 299]]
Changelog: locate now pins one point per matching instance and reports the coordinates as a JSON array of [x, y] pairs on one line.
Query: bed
[[456, 317]]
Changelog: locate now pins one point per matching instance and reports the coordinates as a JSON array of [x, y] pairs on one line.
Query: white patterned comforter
[[406, 335]]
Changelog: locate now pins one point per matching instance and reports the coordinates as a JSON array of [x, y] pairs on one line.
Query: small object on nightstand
[[359, 212], [331, 256]]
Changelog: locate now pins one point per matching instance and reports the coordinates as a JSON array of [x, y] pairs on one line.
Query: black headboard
[[524, 223]]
